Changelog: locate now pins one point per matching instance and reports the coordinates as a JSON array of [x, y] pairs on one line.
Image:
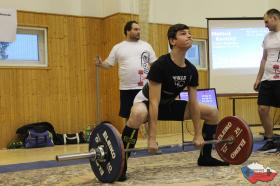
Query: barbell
[[233, 143]]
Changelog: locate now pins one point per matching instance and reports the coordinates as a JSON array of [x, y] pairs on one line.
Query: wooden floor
[[164, 170], [16, 156]]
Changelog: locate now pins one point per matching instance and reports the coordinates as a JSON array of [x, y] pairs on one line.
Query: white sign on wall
[[8, 25]]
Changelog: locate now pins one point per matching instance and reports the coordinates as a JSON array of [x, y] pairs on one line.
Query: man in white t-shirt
[[268, 78], [134, 57]]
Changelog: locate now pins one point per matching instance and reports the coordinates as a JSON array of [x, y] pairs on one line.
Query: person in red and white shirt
[[268, 78]]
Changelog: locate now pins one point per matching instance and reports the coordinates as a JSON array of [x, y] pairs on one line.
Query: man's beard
[[135, 38]]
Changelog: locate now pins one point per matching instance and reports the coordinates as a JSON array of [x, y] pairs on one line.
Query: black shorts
[[126, 101], [269, 93], [173, 111]]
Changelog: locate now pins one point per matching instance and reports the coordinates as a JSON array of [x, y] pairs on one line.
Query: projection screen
[[235, 51]]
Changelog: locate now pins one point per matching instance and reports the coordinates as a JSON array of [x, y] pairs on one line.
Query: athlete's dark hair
[[172, 31]]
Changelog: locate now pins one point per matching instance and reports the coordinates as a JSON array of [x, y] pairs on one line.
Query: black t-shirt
[[173, 78]]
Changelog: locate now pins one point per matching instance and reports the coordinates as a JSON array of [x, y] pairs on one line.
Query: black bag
[[75, 138], [16, 142], [37, 127], [38, 139]]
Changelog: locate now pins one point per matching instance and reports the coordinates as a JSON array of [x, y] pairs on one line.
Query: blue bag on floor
[[38, 139]]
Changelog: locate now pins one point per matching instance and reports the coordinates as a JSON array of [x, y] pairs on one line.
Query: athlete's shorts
[[173, 111], [269, 93]]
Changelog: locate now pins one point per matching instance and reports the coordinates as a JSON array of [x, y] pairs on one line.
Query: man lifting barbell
[[168, 76]]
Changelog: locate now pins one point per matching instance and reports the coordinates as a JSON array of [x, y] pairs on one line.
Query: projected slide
[[237, 47], [235, 52]]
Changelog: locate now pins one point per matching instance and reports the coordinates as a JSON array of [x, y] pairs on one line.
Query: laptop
[[206, 96]]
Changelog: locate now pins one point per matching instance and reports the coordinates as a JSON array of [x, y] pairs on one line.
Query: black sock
[[207, 132], [267, 138], [205, 158], [129, 138]]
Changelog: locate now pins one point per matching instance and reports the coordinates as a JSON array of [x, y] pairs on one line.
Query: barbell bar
[[99, 153]]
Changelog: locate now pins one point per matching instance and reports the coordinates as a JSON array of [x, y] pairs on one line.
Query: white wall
[[99, 8], [72, 7], [274, 4], [129, 6], [195, 12], [94, 8], [190, 12], [103, 8]]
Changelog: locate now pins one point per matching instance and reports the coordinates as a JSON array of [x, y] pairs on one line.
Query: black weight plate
[[109, 169]]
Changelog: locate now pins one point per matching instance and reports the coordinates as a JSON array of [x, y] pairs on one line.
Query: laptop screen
[[205, 96]]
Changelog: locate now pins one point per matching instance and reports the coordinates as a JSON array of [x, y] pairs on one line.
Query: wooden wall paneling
[[82, 117], [88, 74], [59, 70], [275, 115], [64, 93], [94, 45], [199, 33], [25, 17], [13, 103], [19, 92], [225, 106], [163, 39], [5, 110], [203, 79], [41, 95], [30, 103], [27, 85], [74, 69], [248, 110], [36, 91], [153, 37], [84, 93], [86, 64], [158, 38]]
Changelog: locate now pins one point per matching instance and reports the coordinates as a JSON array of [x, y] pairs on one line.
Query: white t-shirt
[[133, 58], [271, 44]]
